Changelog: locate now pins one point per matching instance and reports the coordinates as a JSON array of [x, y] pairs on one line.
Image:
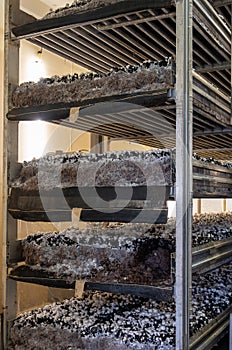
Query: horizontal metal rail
[[213, 67], [128, 35], [208, 257], [215, 131], [49, 25], [210, 166], [218, 3], [135, 21], [212, 333], [212, 256], [211, 87]]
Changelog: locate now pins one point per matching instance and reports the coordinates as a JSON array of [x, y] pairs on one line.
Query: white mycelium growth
[[124, 168], [79, 6], [147, 76], [133, 253], [99, 320]]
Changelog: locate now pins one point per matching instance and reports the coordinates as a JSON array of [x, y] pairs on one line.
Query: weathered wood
[[86, 32], [209, 181], [152, 216], [28, 275], [74, 197], [88, 16], [61, 110], [49, 216]]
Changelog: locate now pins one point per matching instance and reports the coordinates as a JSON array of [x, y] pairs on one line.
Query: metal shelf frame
[[10, 148], [27, 275], [209, 181], [205, 258], [147, 29], [183, 48]]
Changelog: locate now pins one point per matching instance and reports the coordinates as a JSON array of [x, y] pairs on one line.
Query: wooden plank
[[85, 17], [211, 189], [214, 180], [152, 292], [61, 110], [56, 205], [51, 216], [27, 274], [155, 216], [211, 195], [210, 181], [79, 197], [210, 166], [213, 67]]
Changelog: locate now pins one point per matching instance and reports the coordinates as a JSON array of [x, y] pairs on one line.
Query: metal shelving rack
[[187, 49]]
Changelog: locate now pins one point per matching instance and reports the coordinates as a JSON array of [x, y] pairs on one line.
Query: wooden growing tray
[[26, 274], [150, 202]]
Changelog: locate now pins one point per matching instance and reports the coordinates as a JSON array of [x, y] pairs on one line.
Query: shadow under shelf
[[129, 32], [120, 204], [123, 203], [147, 117], [26, 274]]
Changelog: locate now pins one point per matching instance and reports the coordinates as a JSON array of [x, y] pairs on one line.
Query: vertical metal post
[[184, 116], [10, 157]]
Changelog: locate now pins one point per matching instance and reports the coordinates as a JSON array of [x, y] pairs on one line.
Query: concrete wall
[[36, 8], [38, 138], [229, 204], [127, 146]]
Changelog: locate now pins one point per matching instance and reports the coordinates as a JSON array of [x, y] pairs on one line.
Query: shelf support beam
[[184, 118], [219, 3], [10, 158], [213, 67]]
